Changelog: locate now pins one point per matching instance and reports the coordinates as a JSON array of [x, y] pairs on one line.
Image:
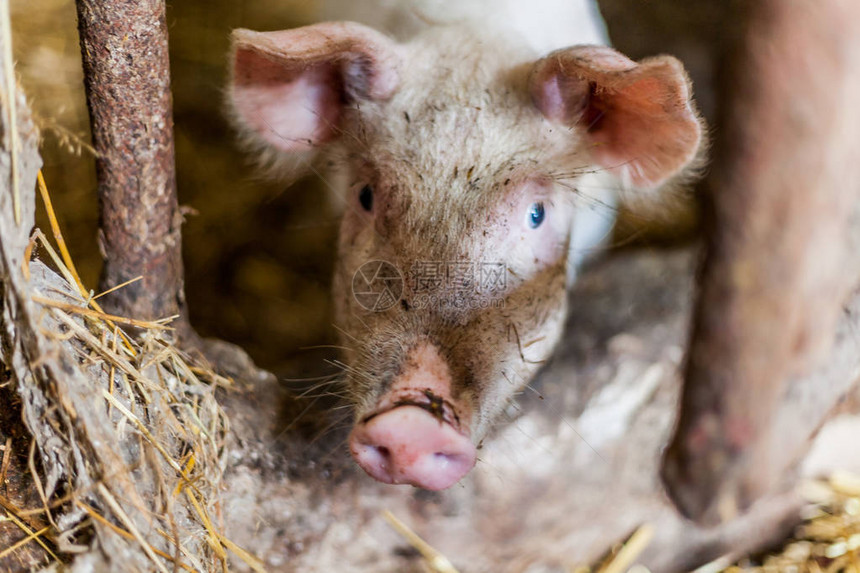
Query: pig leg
[[781, 258]]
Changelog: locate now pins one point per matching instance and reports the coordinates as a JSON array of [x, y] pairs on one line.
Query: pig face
[[462, 169]]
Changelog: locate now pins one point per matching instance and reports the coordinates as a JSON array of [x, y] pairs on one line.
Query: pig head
[[473, 176]]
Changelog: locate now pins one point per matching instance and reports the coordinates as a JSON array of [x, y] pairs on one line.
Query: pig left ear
[[638, 117]]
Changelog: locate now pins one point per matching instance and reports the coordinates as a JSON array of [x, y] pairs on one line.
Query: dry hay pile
[[130, 435], [827, 542]]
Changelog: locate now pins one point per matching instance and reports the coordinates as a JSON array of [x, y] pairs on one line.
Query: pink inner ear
[[638, 117], [293, 109], [291, 86], [646, 131]]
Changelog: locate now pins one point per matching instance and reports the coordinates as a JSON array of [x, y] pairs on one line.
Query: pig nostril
[[383, 452]]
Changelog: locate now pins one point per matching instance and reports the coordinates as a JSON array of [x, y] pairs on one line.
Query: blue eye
[[365, 197], [536, 215]]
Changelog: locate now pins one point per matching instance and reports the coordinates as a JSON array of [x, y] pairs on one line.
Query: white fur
[[545, 25], [597, 208]]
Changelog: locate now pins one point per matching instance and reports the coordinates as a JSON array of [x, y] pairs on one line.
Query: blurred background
[[258, 255]]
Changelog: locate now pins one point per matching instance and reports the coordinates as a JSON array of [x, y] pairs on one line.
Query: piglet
[[479, 148]]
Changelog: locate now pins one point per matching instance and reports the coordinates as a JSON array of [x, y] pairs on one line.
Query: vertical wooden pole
[[127, 80]]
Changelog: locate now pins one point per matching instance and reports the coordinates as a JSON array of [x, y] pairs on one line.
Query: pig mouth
[[440, 408]]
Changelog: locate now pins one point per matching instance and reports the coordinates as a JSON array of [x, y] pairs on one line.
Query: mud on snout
[[417, 434]]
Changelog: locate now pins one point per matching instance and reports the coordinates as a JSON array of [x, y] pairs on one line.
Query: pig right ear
[[290, 87], [638, 118]]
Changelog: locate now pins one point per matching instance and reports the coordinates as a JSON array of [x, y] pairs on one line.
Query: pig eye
[[365, 197], [536, 215]]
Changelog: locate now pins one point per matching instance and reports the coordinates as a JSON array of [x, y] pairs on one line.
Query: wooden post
[[127, 80]]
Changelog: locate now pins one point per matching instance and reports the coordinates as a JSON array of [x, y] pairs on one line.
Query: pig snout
[[409, 445], [417, 434]]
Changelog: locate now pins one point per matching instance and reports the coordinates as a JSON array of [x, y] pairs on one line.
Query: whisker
[[342, 444], [305, 396], [296, 420], [337, 422], [310, 378], [344, 332], [566, 422], [320, 346]]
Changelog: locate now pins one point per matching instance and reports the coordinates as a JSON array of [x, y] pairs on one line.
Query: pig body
[[476, 171], [782, 260], [540, 26]]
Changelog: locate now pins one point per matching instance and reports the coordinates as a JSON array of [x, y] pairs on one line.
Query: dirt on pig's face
[[469, 172], [450, 281]]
